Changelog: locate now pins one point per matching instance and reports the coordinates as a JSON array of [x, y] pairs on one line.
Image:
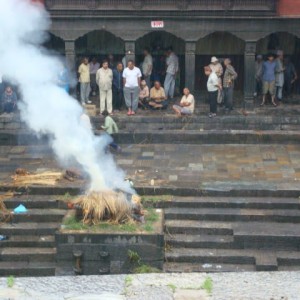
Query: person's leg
[[121, 99], [210, 100], [82, 93], [115, 98], [127, 96], [148, 81], [279, 93], [172, 88], [135, 99], [109, 101], [225, 95], [230, 98], [265, 92], [87, 92], [167, 84], [102, 95], [214, 102], [177, 109]]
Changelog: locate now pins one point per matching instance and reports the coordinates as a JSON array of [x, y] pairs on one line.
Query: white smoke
[[47, 108]]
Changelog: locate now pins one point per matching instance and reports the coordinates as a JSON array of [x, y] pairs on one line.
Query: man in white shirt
[[104, 79], [213, 87], [217, 68], [187, 104], [147, 66], [94, 67], [132, 80], [172, 69]]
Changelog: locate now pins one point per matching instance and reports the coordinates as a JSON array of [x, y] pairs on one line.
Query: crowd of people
[[275, 76]]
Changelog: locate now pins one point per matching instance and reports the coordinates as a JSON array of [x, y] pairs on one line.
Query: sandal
[[274, 104], [262, 104]]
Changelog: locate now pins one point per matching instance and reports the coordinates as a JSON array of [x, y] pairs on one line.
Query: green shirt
[[110, 126]]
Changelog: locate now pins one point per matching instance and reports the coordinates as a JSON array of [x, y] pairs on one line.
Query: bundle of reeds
[[5, 214], [105, 205], [43, 178]]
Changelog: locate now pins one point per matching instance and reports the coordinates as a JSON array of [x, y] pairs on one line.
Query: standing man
[[258, 75], [228, 84], [213, 86], [147, 67], [268, 76], [290, 76], [217, 68], [279, 75], [172, 69], [118, 95], [104, 79], [94, 67], [84, 79], [132, 80]]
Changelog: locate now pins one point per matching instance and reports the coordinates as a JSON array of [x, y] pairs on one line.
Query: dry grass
[[5, 214], [44, 178], [105, 205]]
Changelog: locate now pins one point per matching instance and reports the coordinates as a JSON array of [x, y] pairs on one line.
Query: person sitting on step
[[186, 105], [9, 100], [158, 99], [144, 95]]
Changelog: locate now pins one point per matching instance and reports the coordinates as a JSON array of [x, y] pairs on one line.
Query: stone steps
[[232, 202], [227, 234], [30, 249], [234, 214], [199, 241], [28, 269], [42, 241]]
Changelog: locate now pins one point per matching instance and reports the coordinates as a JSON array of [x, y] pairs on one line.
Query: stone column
[[249, 74], [70, 54], [130, 50], [190, 61]]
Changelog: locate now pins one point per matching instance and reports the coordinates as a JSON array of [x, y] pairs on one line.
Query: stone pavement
[[225, 286], [219, 167]]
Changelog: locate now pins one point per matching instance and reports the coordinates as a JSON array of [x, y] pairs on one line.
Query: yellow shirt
[[84, 73], [154, 93]]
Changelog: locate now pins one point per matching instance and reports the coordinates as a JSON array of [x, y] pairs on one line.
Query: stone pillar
[[70, 54], [249, 74], [190, 61], [130, 50]]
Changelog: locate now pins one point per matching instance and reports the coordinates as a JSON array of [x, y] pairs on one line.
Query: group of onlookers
[[129, 84], [275, 76]]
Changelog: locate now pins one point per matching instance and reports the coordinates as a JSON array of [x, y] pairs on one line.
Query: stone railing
[[115, 7]]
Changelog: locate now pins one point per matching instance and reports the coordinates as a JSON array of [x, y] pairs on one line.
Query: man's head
[[85, 60], [157, 85], [146, 51], [8, 89], [120, 67], [214, 60], [143, 83], [169, 51], [130, 64], [280, 54], [94, 60], [259, 58], [105, 64], [270, 57], [186, 91], [207, 70], [110, 57], [105, 113], [227, 62]]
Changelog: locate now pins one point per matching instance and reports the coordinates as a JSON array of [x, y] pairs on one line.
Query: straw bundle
[[44, 178], [5, 214], [105, 205]]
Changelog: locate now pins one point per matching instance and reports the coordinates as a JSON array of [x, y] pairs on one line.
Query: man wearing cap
[[217, 68], [268, 77], [279, 75], [230, 76], [258, 75]]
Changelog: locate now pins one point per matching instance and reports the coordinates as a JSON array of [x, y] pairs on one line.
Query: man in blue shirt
[[118, 96], [268, 77]]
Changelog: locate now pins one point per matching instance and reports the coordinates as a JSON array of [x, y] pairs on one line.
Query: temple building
[[196, 29]]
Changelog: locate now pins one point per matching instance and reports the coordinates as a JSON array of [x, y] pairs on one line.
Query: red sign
[[157, 24]]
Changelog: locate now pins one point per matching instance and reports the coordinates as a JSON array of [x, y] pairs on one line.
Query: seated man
[[158, 97], [144, 95], [9, 100], [187, 104]]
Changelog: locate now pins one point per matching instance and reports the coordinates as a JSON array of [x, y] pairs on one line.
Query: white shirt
[[94, 67], [212, 82], [132, 77], [172, 64], [147, 65], [189, 99]]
